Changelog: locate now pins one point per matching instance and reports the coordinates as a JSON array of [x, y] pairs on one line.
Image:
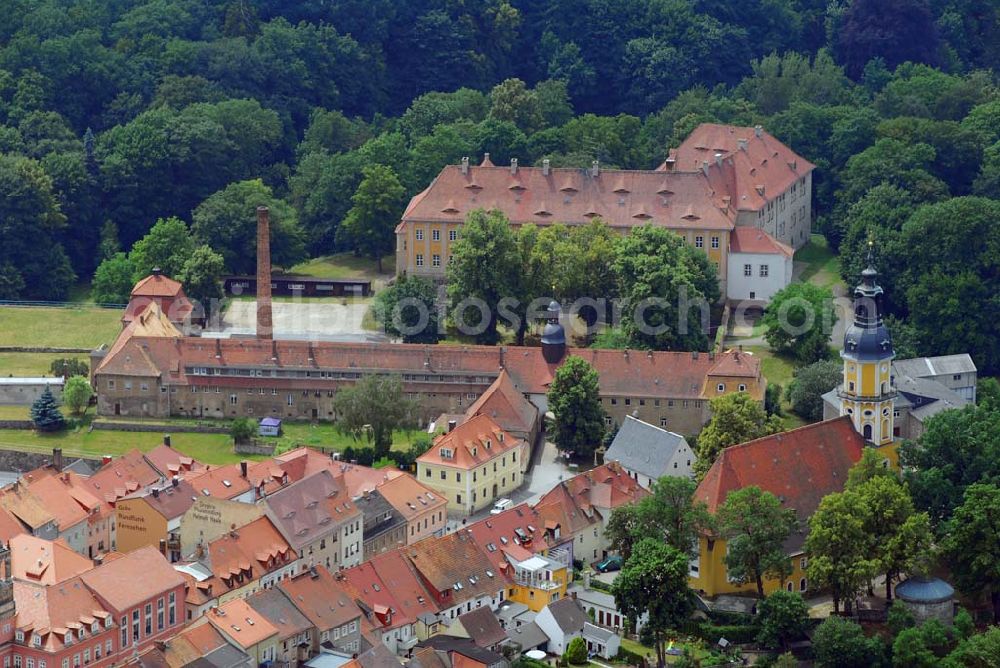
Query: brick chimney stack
[[264, 323]]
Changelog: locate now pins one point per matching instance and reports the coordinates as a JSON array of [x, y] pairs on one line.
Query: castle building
[[721, 179], [867, 394]]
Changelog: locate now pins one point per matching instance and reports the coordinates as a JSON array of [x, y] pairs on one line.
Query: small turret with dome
[[553, 336], [867, 394]]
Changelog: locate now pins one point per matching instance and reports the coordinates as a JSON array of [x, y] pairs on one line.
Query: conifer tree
[[45, 413]]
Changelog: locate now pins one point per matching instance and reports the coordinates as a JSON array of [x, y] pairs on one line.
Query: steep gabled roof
[[455, 563], [800, 467], [311, 508], [43, 561], [323, 599], [474, 442], [388, 583], [644, 448], [757, 241], [482, 626], [132, 578], [508, 407]]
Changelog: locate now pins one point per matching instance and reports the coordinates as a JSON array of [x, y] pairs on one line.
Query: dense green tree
[[894, 30], [756, 527], [373, 408], [68, 367], [45, 413], [574, 399], [977, 651], [77, 393], [484, 266], [34, 265], [736, 418], [810, 384], [113, 280], [201, 275], [242, 430], [841, 643], [839, 548], [798, 320], [943, 272], [377, 206], [783, 617], [653, 582], [576, 652], [321, 190], [972, 543], [409, 309], [667, 286], [921, 646], [671, 512], [227, 222], [956, 449], [166, 247]]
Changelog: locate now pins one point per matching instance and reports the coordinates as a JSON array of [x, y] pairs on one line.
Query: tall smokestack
[[264, 323]]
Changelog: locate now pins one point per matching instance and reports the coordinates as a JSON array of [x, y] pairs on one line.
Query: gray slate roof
[[528, 636], [643, 448], [569, 614], [922, 367], [597, 632]]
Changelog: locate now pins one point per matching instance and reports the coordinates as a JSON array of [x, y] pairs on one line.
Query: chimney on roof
[[157, 271], [465, 165], [156, 493], [513, 165], [595, 168], [105, 460], [166, 440], [175, 481], [742, 143], [163, 546], [57, 459], [758, 131], [274, 350], [243, 468], [718, 159], [704, 167], [265, 325], [545, 167], [451, 425], [218, 349]]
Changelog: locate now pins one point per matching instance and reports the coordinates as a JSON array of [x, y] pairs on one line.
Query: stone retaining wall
[[160, 428]]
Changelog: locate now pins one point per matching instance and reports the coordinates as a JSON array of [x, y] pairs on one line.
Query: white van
[[500, 506]]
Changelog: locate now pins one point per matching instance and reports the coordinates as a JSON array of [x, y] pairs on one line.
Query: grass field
[[58, 327], [822, 265], [32, 364], [345, 265]]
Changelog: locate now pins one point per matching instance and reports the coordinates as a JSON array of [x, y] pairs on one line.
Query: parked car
[[608, 564], [500, 506]]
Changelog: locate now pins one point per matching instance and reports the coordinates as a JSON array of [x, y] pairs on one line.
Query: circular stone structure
[[927, 598]]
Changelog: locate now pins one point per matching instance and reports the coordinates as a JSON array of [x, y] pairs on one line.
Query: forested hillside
[[115, 114]]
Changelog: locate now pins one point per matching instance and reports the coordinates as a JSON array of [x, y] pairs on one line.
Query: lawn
[[345, 265], [58, 327], [33, 364], [822, 264], [326, 435], [697, 650], [81, 442]]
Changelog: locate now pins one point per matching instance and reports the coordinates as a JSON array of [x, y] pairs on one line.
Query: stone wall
[[14, 460], [160, 428]]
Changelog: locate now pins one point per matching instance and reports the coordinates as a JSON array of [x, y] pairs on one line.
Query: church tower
[[867, 393]]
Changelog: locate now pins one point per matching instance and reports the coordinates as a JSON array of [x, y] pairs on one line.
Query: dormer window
[[501, 437], [446, 453], [36, 640], [489, 444], [19, 636]]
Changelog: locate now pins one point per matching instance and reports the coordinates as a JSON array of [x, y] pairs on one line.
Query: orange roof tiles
[[249, 551], [129, 580], [755, 166], [157, 285], [223, 482], [50, 610], [65, 498], [736, 363], [753, 240], [496, 533], [569, 195], [389, 580], [43, 561], [800, 467], [455, 568], [477, 440], [242, 624], [169, 462], [409, 497], [584, 496], [122, 476], [508, 407]]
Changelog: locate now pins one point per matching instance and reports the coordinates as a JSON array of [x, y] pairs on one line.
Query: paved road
[[314, 320]]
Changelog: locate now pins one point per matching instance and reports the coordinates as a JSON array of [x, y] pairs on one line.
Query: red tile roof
[[496, 533], [223, 482], [736, 363], [314, 507], [800, 467], [569, 195], [472, 443], [242, 624], [389, 584], [754, 168], [455, 568], [50, 611], [122, 476], [157, 285], [43, 561], [132, 578], [753, 240], [409, 497], [508, 407], [250, 551], [170, 462]]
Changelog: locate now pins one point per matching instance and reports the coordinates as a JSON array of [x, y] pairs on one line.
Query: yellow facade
[[711, 578], [423, 249], [868, 397], [138, 525], [469, 490], [537, 595]]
